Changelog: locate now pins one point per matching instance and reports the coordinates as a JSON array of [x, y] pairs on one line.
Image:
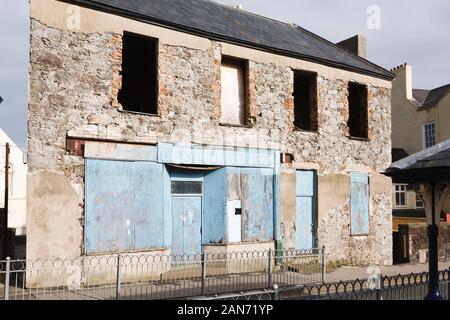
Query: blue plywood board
[[304, 230], [359, 204], [305, 183], [214, 208], [124, 206], [305, 207], [186, 225], [260, 224], [191, 154]]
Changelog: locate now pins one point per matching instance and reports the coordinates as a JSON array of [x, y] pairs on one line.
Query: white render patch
[[234, 221]]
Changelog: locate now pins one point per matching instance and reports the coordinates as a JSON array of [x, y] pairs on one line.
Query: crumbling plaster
[[74, 79]]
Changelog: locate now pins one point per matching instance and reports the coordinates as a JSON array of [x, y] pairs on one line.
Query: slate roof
[[420, 95], [436, 156], [219, 22], [435, 96], [437, 160], [399, 154], [432, 164]]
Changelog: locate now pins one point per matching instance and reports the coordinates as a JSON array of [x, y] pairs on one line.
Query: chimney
[[403, 80], [356, 44]]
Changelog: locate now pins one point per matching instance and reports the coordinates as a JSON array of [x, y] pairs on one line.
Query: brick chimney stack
[[356, 44]]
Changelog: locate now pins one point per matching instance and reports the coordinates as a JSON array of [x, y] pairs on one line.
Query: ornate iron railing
[[155, 276], [401, 287]]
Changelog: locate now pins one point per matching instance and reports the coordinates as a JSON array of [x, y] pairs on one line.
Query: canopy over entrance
[[429, 170]]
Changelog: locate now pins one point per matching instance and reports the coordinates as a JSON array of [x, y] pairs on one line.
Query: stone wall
[[74, 80], [417, 241]]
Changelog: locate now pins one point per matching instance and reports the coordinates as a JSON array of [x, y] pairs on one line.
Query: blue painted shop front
[[182, 198]]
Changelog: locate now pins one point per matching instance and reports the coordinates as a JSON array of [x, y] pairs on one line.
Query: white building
[[17, 184]]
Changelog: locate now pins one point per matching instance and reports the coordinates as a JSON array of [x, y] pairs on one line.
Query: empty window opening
[[358, 113], [305, 101], [139, 90], [233, 96]]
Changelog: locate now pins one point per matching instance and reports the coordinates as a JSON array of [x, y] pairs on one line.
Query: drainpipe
[[433, 234]]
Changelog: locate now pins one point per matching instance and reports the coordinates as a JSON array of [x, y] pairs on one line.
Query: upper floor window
[[305, 100], [429, 135], [419, 203], [139, 92], [401, 195], [358, 122], [233, 95]]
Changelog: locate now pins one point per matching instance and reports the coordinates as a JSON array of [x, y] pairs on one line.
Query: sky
[[412, 31]]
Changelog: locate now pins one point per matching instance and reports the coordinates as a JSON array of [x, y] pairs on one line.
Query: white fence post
[[8, 270], [270, 270], [203, 262]]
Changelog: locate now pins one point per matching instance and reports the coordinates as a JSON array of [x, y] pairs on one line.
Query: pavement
[[352, 273]]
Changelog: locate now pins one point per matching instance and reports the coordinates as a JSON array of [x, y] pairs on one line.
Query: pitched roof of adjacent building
[[420, 95], [435, 96], [398, 154], [228, 24]]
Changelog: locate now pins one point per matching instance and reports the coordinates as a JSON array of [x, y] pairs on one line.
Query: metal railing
[[156, 276], [401, 287]]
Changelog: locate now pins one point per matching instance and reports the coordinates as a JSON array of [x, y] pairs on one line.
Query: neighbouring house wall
[[410, 199], [17, 185], [443, 116], [74, 80], [407, 119]]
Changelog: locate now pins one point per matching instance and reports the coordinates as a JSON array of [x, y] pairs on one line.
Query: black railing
[[401, 287]]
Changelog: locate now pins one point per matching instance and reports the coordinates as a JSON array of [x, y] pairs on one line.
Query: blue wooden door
[[187, 222], [305, 225], [360, 204]]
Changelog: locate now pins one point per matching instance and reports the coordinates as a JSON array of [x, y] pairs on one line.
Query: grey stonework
[[74, 79]]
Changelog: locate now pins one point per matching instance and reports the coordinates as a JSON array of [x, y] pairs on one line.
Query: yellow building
[[420, 119]]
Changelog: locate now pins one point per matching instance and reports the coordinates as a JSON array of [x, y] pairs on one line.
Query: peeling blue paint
[[124, 210], [214, 209], [215, 156], [359, 204], [305, 206], [260, 204], [130, 206]]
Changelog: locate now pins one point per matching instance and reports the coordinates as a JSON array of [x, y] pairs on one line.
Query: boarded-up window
[[305, 100], [359, 204], [358, 113], [124, 206], [233, 99], [139, 90]]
